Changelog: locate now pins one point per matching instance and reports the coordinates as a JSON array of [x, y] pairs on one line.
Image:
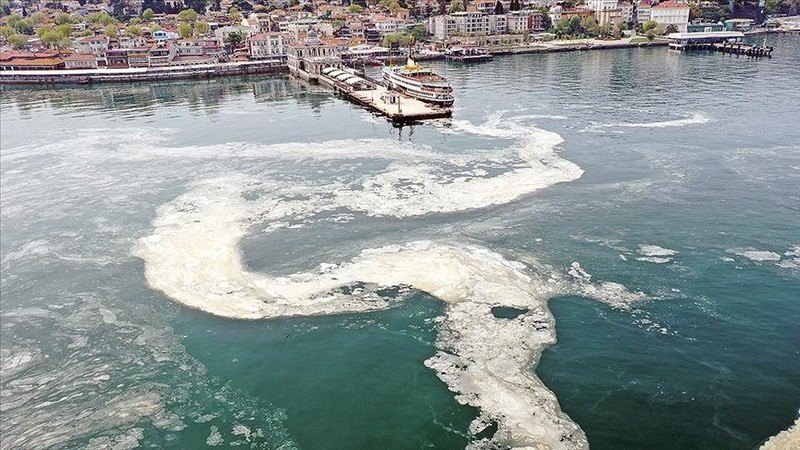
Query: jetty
[[320, 61], [717, 41]]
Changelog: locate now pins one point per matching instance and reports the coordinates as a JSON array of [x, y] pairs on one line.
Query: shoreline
[[207, 71], [91, 76]]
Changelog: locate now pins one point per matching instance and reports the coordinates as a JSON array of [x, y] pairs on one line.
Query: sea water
[[255, 262]]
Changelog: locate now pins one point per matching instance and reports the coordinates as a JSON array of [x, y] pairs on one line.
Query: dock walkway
[[371, 94]]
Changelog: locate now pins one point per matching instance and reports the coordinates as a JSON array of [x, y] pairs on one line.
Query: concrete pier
[[371, 94]]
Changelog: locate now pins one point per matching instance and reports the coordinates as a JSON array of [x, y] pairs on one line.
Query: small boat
[[419, 82], [468, 54]]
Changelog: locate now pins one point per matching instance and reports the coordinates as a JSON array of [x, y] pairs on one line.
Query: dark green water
[[695, 154]]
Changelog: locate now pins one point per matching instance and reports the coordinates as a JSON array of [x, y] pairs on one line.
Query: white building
[[599, 5], [671, 13], [268, 46], [467, 24], [642, 12]]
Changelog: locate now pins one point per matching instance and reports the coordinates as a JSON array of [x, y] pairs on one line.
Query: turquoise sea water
[[689, 194]]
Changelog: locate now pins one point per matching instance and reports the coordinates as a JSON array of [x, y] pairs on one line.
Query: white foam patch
[[655, 254], [695, 119], [758, 255], [192, 256]]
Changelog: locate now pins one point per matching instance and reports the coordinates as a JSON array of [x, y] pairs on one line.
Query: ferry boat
[[419, 82], [468, 54]]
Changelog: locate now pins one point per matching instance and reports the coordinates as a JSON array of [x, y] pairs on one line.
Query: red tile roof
[[671, 4]]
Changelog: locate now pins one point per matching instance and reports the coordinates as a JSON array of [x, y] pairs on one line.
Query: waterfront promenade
[[105, 75]]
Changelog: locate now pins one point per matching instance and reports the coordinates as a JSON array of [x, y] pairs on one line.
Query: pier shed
[[687, 41]]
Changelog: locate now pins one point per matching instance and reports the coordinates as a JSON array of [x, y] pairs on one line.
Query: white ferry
[[419, 82]]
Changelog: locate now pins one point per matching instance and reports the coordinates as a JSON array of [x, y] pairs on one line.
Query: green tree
[[64, 30], [6, 32], [202, 28], [234, 14], [187, 15], [18, 41], [63, 19], [418, 32], [154, 27], [133, 30], [49, 36], [649, 25], [562, 27], [23, 26], [135, 21], [456, 6], [355, 8], [147, 15], [236, 38], [185, 30], [590, 26], [38, 18], [651, 34], [110, 31], [399, 39]]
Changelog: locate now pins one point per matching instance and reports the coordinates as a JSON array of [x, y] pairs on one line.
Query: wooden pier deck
[[371, 94]]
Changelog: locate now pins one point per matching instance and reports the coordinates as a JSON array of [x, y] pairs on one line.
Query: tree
[[147, 15], [63, 19], [234, 14], [154, 27], [235, 38], [650, 25], [418, 32], [187, 15], [547, 22], [355, 8], [590, 26], [64, 30], [397, 40], [18, 41], [202, 28], [6, 32], [185, 30], [24, 26], [498, 8], [133, 30], [135, 21], [515, 5], [562, 27], [38, 18], [456, 6], [110, 31], [49, 36], [651, 34], [671, 28]]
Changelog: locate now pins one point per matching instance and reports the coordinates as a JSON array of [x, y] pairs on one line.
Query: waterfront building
[[78, 61], [117, 58], [30, 61], [268, 46], [671, 13], [308, 57], [608, 16], [627, 12], [91, 45], [161, 54], [642, 12], [525, 20], [467, 24]]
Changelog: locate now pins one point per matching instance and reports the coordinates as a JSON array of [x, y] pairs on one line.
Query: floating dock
[[372, 95], [717, 41]]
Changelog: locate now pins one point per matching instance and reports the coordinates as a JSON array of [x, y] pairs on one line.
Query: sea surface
[[600, 247]]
